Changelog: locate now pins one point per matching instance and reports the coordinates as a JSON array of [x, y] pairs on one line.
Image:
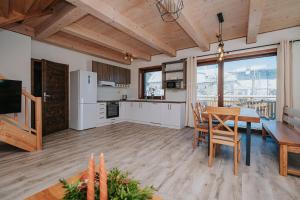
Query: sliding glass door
[[207, 84], [245, 82], [251, 83]]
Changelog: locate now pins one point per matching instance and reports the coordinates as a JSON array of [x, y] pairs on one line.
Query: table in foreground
[[56, 192]]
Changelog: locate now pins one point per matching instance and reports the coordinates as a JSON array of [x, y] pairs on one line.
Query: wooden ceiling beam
[[86, 34], [81, 46], [5, 8], [255, 15], [21, 28], [198, 36], [187, 24], [108, 14], [13, 18], [62, 17], [16, 17]]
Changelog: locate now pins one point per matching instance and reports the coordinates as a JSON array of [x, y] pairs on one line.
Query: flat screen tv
[[10, 96]]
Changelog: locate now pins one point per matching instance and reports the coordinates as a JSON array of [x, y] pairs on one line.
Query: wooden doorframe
[[233, 57], [66, 103]]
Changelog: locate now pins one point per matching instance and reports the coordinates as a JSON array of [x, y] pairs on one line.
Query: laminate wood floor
[[156, 156]]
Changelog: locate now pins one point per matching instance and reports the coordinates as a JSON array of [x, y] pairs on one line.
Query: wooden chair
[[222, 134], [200, 125]]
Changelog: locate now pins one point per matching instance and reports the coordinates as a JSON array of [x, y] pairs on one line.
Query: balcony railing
[[264, 105]]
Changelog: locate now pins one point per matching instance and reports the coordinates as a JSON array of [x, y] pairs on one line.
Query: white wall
[[263, 39], [296, 73], [15, 54]]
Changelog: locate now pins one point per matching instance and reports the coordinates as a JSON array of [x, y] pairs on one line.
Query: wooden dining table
[[249, 116]]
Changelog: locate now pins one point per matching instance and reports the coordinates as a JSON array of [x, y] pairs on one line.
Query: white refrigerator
[[83, 99]]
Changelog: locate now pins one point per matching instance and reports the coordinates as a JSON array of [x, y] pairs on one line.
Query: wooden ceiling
[[112, 28]]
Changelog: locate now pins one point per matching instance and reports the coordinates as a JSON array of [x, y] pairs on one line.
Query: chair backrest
[[291, 117], [196, 115], [200, 109], [222, 114]]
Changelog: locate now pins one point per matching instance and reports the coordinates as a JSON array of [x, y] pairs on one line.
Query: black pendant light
[[169, 9], [220, 49]]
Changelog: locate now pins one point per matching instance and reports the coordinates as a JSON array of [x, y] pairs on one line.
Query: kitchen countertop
[[102, 101], [143, 100]]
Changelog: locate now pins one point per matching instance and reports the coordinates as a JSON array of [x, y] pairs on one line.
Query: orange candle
[[102, 179], [91, 179]]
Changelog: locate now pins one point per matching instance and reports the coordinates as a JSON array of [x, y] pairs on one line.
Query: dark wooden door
[[55, 93]]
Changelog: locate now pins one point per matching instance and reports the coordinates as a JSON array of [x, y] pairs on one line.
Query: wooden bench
[[287, 135]]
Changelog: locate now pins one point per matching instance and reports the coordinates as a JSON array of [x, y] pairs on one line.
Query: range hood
[[107, 83]]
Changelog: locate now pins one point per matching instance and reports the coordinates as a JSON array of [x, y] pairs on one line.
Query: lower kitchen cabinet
[[170, 115], [173, 115]]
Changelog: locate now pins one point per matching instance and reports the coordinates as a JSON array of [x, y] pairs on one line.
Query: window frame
[[142, 72], [233, 57]]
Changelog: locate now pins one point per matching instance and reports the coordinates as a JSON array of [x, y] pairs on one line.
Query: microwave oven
[[174, 84]]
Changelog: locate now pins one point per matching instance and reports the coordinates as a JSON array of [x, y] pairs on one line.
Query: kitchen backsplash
[[175, 95], [111, 93]]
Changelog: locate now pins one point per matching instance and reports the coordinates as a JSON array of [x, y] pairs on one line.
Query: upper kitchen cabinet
[[106, 72]]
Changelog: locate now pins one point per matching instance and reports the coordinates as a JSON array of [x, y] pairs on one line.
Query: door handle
[[45, 96]]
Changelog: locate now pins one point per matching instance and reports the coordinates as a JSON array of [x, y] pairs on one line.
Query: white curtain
[[284, 78], [191, 95]]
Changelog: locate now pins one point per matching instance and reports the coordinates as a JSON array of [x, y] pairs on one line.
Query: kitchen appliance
[[173, 84], [10, 96], [124, 97], [107, 83], [112, 109], [83, 99]]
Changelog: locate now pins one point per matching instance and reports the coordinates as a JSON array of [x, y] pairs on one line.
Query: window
[[241, 81], [251, 83], [207, 84], [151, 83]]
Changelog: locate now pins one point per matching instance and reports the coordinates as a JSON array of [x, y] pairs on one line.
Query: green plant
[[119, 186]]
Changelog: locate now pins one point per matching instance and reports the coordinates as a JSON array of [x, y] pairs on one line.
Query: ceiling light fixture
[[169, 9], [128, 56], [220, 49]]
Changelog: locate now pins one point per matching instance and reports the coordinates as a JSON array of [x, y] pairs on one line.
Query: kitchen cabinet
[[170, 115], [154, 113], [122, 111], [135, 111], [106, 72]]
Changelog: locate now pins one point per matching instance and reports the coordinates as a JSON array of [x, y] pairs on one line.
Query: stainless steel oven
[[112, 109]]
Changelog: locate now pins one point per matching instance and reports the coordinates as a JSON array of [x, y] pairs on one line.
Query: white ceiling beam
[[98, 38], [61, 18], [255, 15], [108, 14]]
